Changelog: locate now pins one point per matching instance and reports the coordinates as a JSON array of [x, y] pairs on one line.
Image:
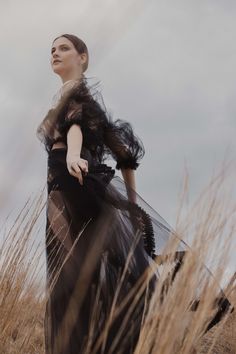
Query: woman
[[101, 234]]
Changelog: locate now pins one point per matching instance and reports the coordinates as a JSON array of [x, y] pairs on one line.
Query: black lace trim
[[145, 222], [148, 235]]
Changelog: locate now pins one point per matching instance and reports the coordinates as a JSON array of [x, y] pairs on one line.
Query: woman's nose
[[54, 54]]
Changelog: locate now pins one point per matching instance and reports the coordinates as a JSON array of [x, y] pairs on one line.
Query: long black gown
[[93, 230]]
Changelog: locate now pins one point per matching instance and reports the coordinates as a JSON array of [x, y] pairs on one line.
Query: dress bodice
[[101, 135]]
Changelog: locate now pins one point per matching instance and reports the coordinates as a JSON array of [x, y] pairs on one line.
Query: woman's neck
[[72, 75], [67, 85]]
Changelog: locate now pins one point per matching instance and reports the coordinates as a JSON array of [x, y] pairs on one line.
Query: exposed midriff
[[58, 145]]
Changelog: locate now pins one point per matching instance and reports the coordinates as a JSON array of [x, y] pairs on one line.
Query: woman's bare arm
[[74, 144], [74, 139], [129, 178]]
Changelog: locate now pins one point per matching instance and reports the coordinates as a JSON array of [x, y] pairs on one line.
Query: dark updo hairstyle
[[79, 45]]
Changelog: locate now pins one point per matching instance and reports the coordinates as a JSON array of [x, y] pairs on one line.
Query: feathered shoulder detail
[[79, 94]]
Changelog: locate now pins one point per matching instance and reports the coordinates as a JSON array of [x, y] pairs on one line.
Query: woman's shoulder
[[89, 95]]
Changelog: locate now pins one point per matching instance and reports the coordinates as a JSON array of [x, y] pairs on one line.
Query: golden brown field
[[168, 326]]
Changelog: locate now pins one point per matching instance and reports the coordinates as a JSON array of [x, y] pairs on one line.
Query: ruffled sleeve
[[126, 148]]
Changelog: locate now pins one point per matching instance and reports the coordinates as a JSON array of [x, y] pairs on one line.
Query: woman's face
[[64, 57]]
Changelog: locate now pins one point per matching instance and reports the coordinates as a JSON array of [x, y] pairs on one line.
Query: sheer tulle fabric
[[99, 244], [90, 233], [102, 135]]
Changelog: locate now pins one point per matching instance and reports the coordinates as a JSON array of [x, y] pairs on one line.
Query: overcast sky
[[166, 66]]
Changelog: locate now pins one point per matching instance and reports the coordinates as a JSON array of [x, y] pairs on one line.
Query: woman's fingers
[[77, 172], [77, 167], [84, 165], [80, 178], [74, 174]]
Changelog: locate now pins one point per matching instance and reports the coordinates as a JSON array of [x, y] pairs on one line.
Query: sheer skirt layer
[[89, 237], [92, 232]]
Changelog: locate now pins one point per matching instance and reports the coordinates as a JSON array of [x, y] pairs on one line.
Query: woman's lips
[[56, 61]]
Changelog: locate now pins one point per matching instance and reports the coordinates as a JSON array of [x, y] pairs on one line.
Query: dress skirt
[[98, 246]]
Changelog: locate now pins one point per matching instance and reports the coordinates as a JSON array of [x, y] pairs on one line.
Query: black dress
[[98, 241]]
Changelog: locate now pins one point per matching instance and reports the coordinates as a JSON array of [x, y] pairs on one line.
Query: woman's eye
[[62, 48]]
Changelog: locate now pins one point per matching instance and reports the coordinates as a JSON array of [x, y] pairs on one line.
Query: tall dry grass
[[169, 326], [21, 292]]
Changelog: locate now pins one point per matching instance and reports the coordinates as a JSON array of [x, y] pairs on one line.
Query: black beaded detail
[[148, 235]]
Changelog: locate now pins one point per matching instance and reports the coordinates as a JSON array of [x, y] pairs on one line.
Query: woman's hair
[[79, 45]]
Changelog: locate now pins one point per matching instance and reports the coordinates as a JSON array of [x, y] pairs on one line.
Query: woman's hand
[[76, 166]]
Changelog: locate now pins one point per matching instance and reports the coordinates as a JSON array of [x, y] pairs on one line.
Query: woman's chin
[[57, 70]]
